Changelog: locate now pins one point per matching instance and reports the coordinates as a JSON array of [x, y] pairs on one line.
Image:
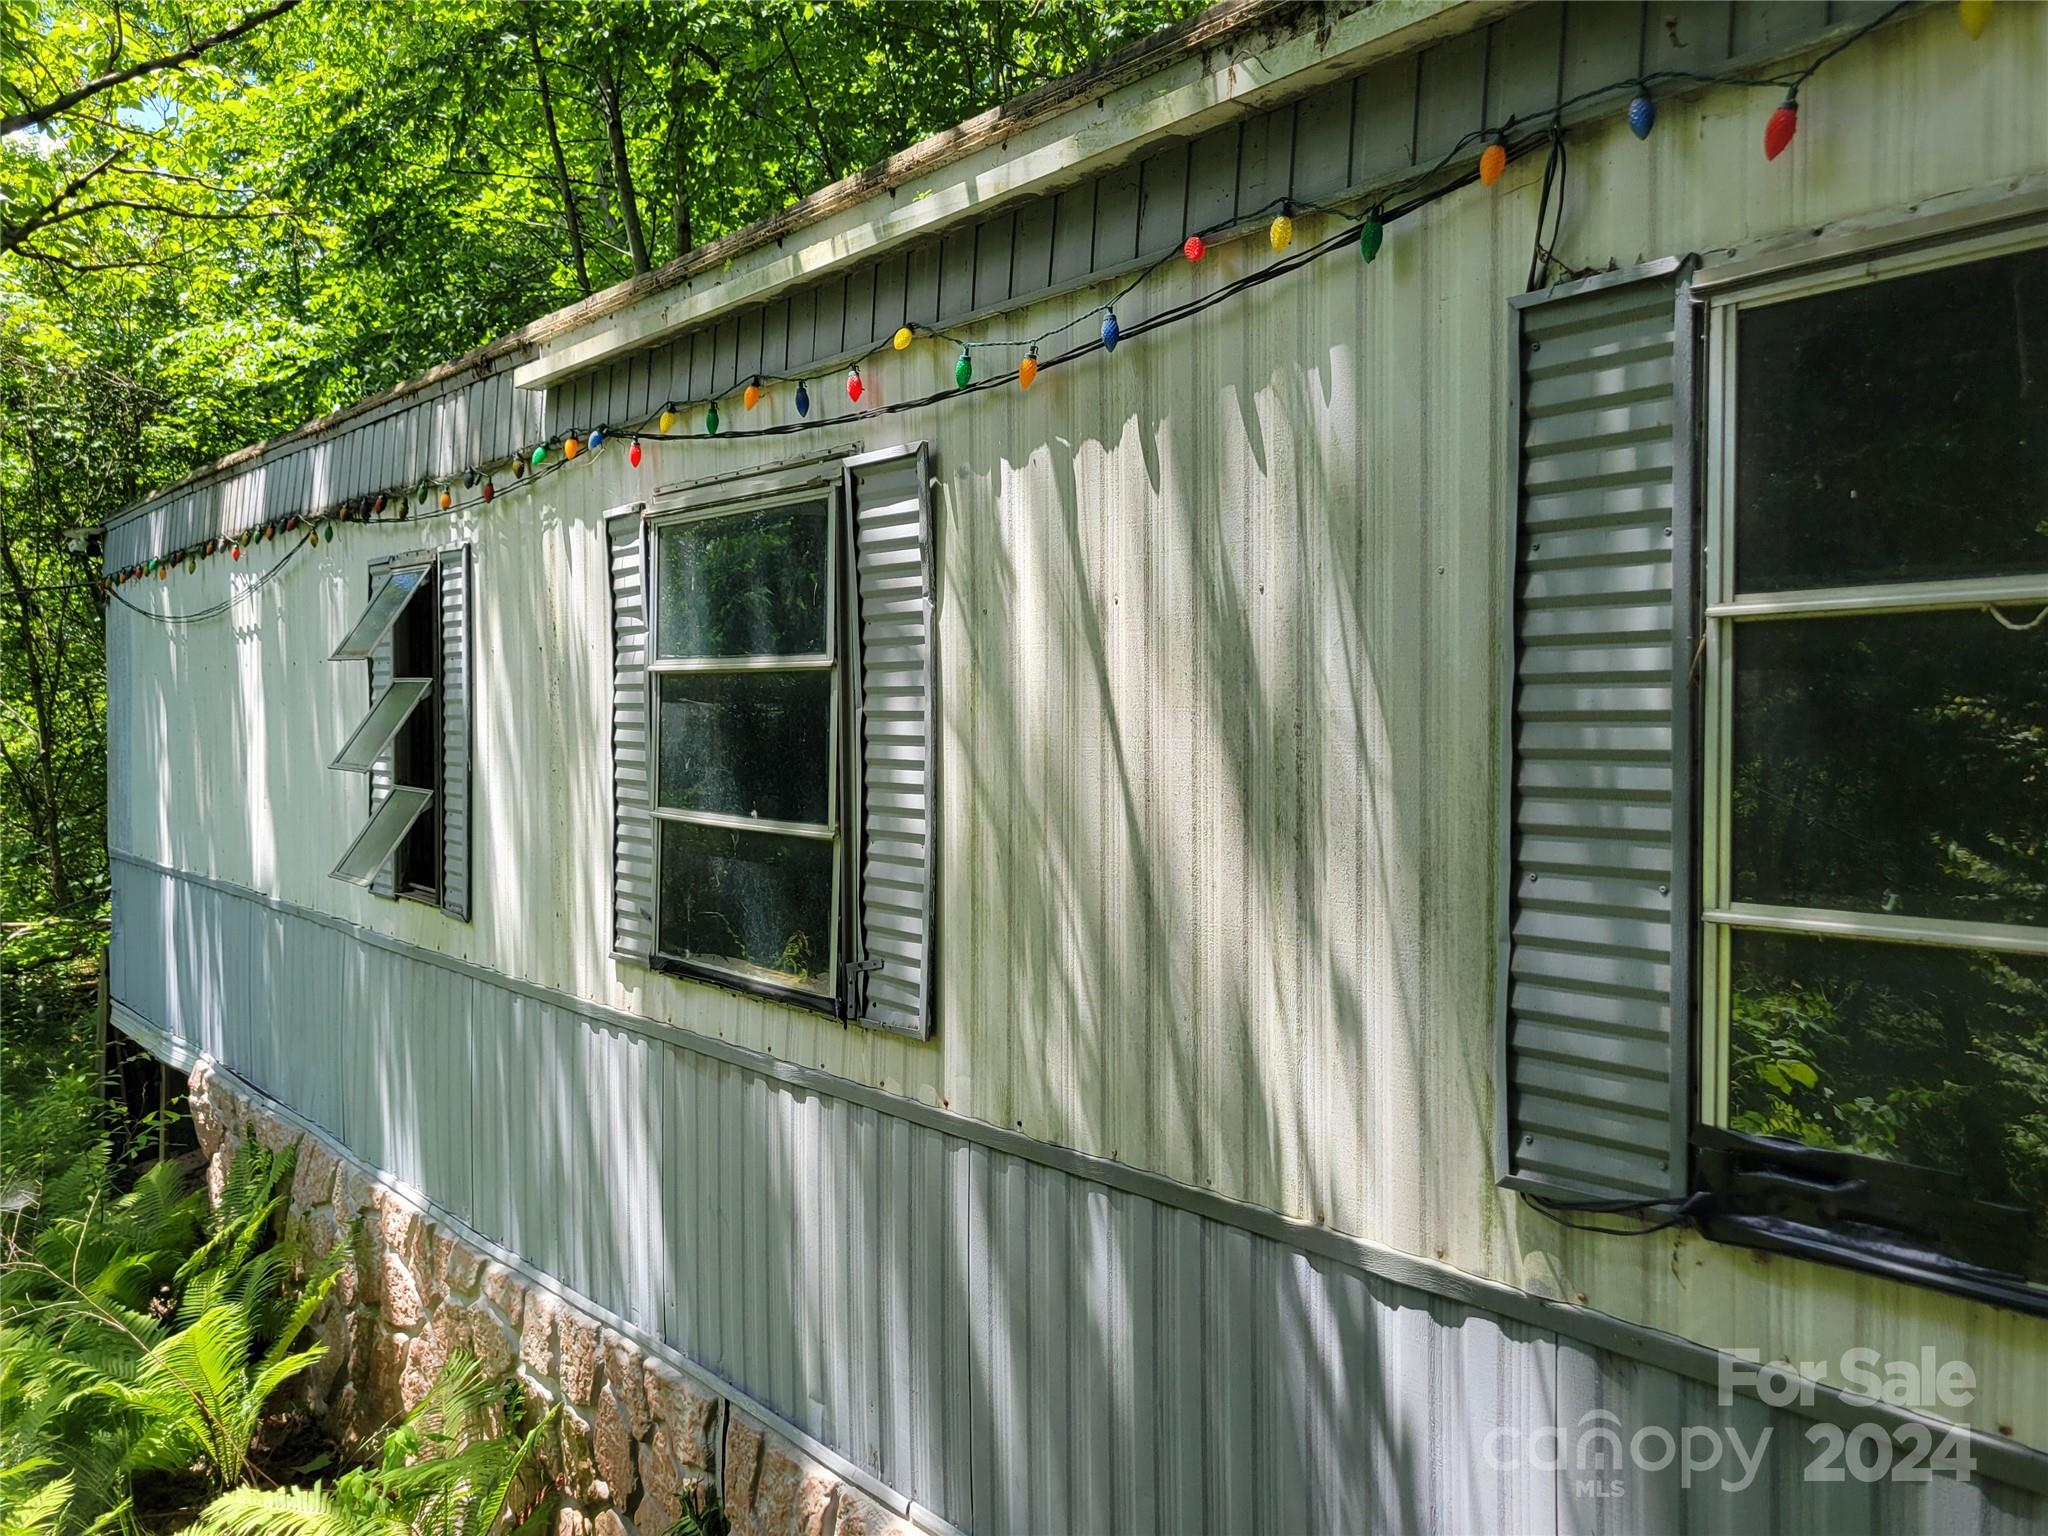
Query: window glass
[[753, 903], [1895, 430], [752, 584], [397, 589], [1936, 1058], [391, 711], [1894, 764], [747, 744], [387, 825]]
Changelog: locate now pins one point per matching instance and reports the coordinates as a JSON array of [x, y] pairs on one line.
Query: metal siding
[[1013, 1345], [1116, 217], [890, 518], [1123, 606], [1590, 1047], [456, 689], [633, 892]]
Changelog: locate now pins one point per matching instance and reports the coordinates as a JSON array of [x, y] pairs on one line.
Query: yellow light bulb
[[1975, 15], [1282, 232], [668, 419], [902, 338]]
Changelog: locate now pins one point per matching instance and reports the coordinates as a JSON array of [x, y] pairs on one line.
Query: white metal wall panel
[[1014, 1345], [632, 745], [1593, 990], [889, 511]]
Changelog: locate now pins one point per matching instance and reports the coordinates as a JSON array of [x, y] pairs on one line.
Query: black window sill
[[1868, 1215], [809, 1002]]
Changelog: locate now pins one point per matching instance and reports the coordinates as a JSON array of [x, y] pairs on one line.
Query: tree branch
[[107, 82], [12, 235]]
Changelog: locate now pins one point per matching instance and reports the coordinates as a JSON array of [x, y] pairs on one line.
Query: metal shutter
[[890, 670], [1597, 900], [452, 589], [386, 883], [632, 761]]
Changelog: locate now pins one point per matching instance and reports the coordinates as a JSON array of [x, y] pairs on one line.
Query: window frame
[[1822, 1203], [427, 590], [843, 809], [361, 644]]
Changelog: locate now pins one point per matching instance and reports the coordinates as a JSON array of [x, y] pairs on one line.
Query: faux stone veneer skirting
[[637, 1439]]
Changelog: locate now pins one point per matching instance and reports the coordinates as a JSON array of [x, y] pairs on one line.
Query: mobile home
[[1298, 788]]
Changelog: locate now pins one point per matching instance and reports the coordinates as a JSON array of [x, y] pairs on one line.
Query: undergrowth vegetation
[[150, 1337]]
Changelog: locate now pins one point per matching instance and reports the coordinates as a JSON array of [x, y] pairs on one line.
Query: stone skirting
[[637, 1439]]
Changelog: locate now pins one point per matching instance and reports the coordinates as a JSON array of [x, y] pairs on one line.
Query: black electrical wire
[[1681, 1212]]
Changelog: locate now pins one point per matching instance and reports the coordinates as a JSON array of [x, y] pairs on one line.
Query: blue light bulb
[[1642, 115], [803, 401], [1110, 334]]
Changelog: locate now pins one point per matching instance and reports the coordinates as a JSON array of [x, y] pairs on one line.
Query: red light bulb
[[854, 386], [1779, 130], [1193, 248], [633, 454]]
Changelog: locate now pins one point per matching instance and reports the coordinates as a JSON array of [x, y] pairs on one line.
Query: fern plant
[[143, 1333], [440, 1471]]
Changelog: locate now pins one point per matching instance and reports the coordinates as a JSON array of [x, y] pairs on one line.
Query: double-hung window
[[1774, 899], [772, 736], [746, 693], [1874, 961]]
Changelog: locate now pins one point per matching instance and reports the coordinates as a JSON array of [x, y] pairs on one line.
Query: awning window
[[372, 739], [401, 807], [385, 605]]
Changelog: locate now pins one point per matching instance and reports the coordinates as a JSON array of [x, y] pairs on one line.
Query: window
[[413, 745], [771, 721], [1874, 963], [747, 701]]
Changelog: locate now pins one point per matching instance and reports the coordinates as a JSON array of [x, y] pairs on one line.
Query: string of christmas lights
[[1366, 227]]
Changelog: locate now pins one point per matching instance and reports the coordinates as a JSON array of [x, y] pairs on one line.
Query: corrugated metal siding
[[1015, 1347], [632, 745], [1346, 138], [1220, 641], [434, 435], [889, 512], [452, 591], [1593, 842]]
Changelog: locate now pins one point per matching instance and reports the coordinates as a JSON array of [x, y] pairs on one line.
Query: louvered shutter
[[386, 883], [891, 674], [632, 759], [455, 693], [1597, 904]]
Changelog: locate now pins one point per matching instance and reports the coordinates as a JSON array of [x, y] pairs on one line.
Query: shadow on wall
[[1192, 818]]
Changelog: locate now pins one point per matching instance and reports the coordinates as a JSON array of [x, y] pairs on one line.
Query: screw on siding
[[1663, 890], [1528, 1141]]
